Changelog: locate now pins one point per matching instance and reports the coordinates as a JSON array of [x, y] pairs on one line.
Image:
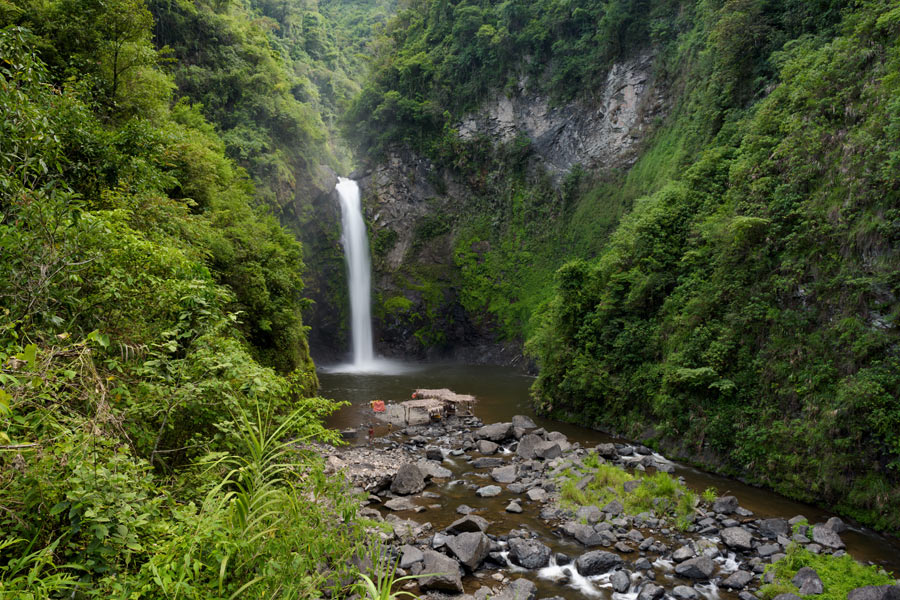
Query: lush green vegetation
[[734, 292], [153, 358], [659, 493], [839, 575]]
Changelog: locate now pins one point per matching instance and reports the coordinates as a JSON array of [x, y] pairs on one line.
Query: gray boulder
[[528, 446], [408, 480], [488, 462], [787, 597], [826, 536], [651, 591], [696, 568], [836, 525], [514, 507], [725, 505], [597, 562], [738, 580], [537, 494], [434, 453], [772, 528], [446, 576], [682, 554], [495, 432], [606, 450], [614, 508], [808, 581], [429, 468], [488, 491], [486, 447], [683, 592], [523, 422], [398, 504], [737, 538], [591, 514], [409, 556], [505, 474], [548, 450], [469, 523], [470, 548], [520, 589], [585, 534], [620, 581], [875, 592], [529, 554]]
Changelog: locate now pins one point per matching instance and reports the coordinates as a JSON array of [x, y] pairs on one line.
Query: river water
[[503, 392]]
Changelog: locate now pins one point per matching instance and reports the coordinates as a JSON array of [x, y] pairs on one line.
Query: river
[[503, 392]]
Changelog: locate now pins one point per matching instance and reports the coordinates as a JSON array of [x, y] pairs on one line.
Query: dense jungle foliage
[[153, 357], [733, 294]]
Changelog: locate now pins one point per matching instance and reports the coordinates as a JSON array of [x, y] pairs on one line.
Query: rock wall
[[603, 134]]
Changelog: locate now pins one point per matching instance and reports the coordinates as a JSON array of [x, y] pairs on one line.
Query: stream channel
[[503, 392]]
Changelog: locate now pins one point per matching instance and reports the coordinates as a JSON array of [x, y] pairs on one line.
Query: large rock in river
[[520, 589], [470, 548], [826, 536], [737, 538], [528, 446], [701, 567], [408, 480], [529, 554], [446, 573], [597, 562], [495, 432]]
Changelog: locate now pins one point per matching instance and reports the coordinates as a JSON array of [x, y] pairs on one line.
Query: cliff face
[[414, 206], [601, 135]]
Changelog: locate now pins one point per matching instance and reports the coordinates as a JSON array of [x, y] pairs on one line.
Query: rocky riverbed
[[480, 505]]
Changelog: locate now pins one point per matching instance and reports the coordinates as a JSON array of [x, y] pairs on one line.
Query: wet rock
[[514, 507], [488, 491], [772, 528], [614, 508], [523, 422], [469, 523], [664, 467], [528, 446], [537, 494], [696, 568], [683, 592], [623, 548], [725, 505], [471, 548], [464, 509], [606, 450], [429, 468], [591, 514], [597, 562], [836, 525], [875, 592], [738, 580], [682, 554], [642, 564], [808, 581], [447, 576], [520, 589], [529, 554], [821, 534], [488, 462], [620, 581], [495, 432], [410, 555], [486, 447], [635, 536], [737, 538], [505, 474], [548, 450], [398, 504], [583, 533], [408, 480], [434, 453], [651, 591]]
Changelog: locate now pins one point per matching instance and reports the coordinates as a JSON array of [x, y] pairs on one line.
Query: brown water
[[503, 392]]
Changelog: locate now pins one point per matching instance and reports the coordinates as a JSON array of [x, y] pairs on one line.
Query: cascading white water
[[359, 277]]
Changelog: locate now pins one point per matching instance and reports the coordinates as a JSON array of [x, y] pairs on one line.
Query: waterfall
[[356, 252]]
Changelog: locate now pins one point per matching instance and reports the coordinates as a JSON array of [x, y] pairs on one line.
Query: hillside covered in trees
[[729, 290], [153, 352]]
